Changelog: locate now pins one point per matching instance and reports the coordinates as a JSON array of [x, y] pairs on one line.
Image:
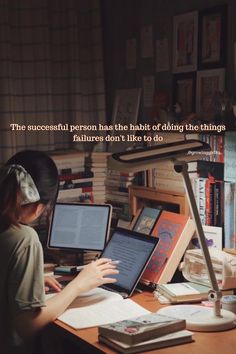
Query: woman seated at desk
[[28, 184]]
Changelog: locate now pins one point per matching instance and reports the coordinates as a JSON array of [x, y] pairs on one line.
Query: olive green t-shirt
[[21, 279]]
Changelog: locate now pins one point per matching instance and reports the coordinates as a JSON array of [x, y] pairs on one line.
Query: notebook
[[133, 250]]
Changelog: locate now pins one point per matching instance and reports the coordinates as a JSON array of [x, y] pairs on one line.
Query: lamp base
[[202, 319]]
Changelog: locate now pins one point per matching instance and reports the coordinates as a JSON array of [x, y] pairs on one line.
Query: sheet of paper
[[131, 55], [162, 55], [146, 42], [148, 90], [186, 312], [102, 313]]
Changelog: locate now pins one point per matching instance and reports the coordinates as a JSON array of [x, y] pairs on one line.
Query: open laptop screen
[[79, 226], [133, 250]]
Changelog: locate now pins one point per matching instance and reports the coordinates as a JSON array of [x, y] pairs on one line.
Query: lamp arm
[[215, 295]]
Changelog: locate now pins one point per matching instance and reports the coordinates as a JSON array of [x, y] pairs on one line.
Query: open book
[[99, 307]]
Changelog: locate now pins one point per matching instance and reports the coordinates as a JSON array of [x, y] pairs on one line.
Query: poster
[[162, 55], [131, 55], [146, 42]]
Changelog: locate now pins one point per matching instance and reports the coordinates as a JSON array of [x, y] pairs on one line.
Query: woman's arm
[[93, 275]]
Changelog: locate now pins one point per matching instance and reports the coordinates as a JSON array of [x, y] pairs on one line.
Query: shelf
[[140, 196]]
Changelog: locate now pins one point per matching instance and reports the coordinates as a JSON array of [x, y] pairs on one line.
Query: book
[[99, 307], [200, 196], [175, 232], [229, 214], [168, 340], [141, 328], [204, 168], [209, 194], [75, 176], [229, 165], [213, 235], [183, 292], [169, 184], [146, 220], [218, 203]]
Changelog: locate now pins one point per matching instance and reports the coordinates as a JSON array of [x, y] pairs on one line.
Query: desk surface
[[204, 343]]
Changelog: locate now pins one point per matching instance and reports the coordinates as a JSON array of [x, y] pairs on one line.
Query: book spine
[[209, 201], [75, 176], [169, 185], [158, 174], [199, 190], [218, 208], [72, 185], [221, 148], [228, 215]]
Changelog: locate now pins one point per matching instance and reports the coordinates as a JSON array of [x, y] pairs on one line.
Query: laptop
[[133, 250], [79, 226]]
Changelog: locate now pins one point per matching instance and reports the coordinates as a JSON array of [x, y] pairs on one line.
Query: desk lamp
[[198, 318]]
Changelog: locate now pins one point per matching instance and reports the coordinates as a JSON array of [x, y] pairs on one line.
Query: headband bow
[[27, 186]]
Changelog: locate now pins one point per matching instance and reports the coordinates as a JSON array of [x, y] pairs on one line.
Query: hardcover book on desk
[[168, 340], [175, 232], [136, 330], [185, 292]]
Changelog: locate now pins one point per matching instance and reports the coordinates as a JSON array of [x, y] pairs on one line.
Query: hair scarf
[[27, 186]]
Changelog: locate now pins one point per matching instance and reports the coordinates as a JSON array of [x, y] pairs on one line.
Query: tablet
[[133, 250], [79, 226]]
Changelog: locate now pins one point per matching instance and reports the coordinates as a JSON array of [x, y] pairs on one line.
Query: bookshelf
[[140, 196]]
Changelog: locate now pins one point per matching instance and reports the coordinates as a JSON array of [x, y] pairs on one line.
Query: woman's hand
[[95, 274], [51, 282]]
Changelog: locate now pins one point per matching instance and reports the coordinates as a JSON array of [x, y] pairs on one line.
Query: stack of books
[[216, 143], [96, 163], [164, 178], [144, 333], [184, 292], [74, 179], [117, 193], [208, 189]]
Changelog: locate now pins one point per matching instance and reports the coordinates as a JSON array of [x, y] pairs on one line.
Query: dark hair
[[44, 173]]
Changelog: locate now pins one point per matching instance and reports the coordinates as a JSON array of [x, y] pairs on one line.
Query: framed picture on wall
[[125, 112], [209, 82], [185, 38], [212, 44], [184, 91]]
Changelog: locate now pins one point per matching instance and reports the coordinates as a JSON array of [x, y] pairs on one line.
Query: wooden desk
[[86, 341]]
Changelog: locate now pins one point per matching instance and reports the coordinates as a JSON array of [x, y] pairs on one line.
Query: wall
[[122, 19]]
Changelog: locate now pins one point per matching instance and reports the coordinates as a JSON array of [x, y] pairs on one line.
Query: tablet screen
[[79, 226], [133, 251]]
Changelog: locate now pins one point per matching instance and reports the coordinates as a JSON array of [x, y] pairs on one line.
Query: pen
[[113, 262]]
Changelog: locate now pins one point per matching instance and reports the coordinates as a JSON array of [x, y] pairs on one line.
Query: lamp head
[[146, 158]]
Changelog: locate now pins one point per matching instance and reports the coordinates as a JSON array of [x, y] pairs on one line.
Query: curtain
[[51, 71]]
